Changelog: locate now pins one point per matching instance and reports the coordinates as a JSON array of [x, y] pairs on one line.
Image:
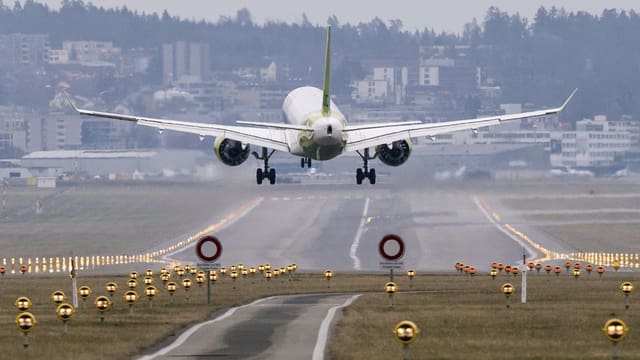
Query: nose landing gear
[[305, 161]]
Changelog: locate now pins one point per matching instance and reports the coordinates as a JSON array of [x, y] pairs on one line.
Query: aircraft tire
[[259, 176], [372, 176], [272, 176], [359, 176]]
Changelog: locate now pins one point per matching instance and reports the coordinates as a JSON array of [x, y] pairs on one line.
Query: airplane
[[314, 128]]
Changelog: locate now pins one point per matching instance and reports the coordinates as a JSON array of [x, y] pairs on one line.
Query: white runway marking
[[185, 335], [168, 256], [532, 253], [356, 239], [321, 343]]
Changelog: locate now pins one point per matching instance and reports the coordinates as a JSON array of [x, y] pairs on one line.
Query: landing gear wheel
[[259, 176], [305, 161], [272, 176], [364, 172], [265, 173]]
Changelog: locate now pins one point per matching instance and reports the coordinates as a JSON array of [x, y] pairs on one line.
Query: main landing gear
[[266, 173], [305, 161], [365, 172]]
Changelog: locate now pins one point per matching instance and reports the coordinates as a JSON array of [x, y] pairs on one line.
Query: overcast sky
[[448, 15]]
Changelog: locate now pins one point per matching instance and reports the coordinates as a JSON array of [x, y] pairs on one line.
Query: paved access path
[[279, 327]]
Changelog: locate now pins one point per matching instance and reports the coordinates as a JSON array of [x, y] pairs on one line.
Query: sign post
[[208, 250], [524, 268], [391, 249]]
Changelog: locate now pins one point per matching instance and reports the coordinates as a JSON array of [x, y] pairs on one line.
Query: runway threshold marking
[[185, 335], [356, 240], [321, 342]]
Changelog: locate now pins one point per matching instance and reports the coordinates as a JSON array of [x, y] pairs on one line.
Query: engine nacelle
[[395, 155], [231, 152]]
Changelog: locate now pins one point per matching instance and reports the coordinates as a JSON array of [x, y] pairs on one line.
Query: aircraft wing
[[362, 137], [270, 137]]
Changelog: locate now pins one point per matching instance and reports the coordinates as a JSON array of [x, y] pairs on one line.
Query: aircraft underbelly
[[316, 151]]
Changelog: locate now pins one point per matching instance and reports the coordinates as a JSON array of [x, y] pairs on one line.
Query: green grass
[[463, 318], [82, 219], [459, 317], [121, 335]]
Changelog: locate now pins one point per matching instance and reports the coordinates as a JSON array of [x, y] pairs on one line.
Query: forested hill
[[538, 60]]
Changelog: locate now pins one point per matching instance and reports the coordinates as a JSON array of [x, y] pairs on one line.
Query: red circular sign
[[399, 254], [202, 242]]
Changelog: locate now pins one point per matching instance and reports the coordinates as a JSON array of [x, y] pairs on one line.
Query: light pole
[[411, 274], [130, 297], [150, 292], [103, 304], [406, 332], [328, 274], [507, 290], [390, 288], [626, 288], [65, 312], [615, 330]]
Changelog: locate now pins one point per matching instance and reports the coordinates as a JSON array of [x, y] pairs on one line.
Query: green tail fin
[[326, 99]]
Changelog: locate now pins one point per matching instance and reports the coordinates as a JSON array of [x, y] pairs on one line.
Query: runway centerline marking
[[356, 239], [321, 343]]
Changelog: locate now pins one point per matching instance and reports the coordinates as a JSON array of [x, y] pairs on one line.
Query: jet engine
[[231, 152], [396, 154]]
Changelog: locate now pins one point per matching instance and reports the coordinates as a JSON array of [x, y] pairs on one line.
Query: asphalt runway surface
[[280, 327], [340, 226]]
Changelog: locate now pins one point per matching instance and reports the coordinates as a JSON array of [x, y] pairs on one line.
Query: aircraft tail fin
[[326, 99]]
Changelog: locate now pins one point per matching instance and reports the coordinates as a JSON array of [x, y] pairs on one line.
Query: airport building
[[113, 165], [595, 143]]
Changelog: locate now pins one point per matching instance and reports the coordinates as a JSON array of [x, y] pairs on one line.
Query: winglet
[[70, 101], [327, 69], [568, 99]]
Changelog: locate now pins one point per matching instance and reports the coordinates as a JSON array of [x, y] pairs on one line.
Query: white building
[[594, 143], [54, 131], [13, 129], [269, 73], [90, 51], [370, 91], [385, 84]]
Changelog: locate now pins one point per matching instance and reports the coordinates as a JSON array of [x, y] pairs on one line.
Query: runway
[[340, 226]]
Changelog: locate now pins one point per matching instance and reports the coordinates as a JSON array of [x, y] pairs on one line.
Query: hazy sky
[[448, 15]]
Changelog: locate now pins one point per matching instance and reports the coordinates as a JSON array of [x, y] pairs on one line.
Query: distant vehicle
[[314, 128], [567, 171]]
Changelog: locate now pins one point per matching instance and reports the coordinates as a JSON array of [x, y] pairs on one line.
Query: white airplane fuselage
[[326, 141]]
